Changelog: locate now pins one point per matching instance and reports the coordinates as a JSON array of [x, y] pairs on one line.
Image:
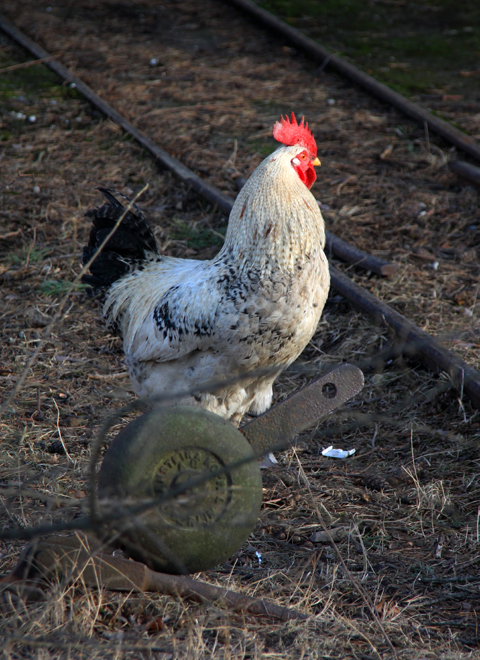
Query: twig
[[461, 624], [456, 578], [19, 178], [470, 562], [32, 245], [60, 433], [427, 137], [82, 644], [231, 160], [25, 65], [9, 234]]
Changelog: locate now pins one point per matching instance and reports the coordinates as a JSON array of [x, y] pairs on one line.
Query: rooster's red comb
[[290, 133]]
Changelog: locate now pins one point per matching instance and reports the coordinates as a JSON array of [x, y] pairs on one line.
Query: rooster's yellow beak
[[316, 162]]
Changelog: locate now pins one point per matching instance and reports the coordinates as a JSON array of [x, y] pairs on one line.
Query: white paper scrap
[[337, 453], [268, 461]]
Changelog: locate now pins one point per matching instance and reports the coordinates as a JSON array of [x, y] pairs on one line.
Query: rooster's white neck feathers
[[275, 219]]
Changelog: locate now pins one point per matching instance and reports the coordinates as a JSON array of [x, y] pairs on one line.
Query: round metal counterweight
[[157, 457]]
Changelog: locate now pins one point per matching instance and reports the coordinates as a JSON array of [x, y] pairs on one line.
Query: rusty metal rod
[[83, 555], [340, 248], [321, 54], [413, 341], [465, 170]]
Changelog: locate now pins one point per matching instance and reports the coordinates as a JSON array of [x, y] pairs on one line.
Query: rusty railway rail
[[466, 171], [326, 58], [414, 342]]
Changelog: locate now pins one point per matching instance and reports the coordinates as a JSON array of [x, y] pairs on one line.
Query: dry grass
[[404, 563]]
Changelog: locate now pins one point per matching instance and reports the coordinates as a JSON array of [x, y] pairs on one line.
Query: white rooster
[[254, 306]]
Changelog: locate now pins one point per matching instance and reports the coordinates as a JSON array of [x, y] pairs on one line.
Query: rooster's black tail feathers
[[132, 244]]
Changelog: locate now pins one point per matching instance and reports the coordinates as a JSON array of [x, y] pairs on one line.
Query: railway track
[[412, 341]]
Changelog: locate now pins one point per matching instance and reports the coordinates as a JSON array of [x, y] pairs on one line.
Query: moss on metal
[[159, 453]]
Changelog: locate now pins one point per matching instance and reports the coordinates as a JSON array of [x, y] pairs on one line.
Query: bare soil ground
[[405, 508]]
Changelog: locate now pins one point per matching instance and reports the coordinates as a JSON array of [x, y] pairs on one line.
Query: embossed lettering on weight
[[198, 506]]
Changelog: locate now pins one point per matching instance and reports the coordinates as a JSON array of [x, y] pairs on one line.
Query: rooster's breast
[[269, 317]]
